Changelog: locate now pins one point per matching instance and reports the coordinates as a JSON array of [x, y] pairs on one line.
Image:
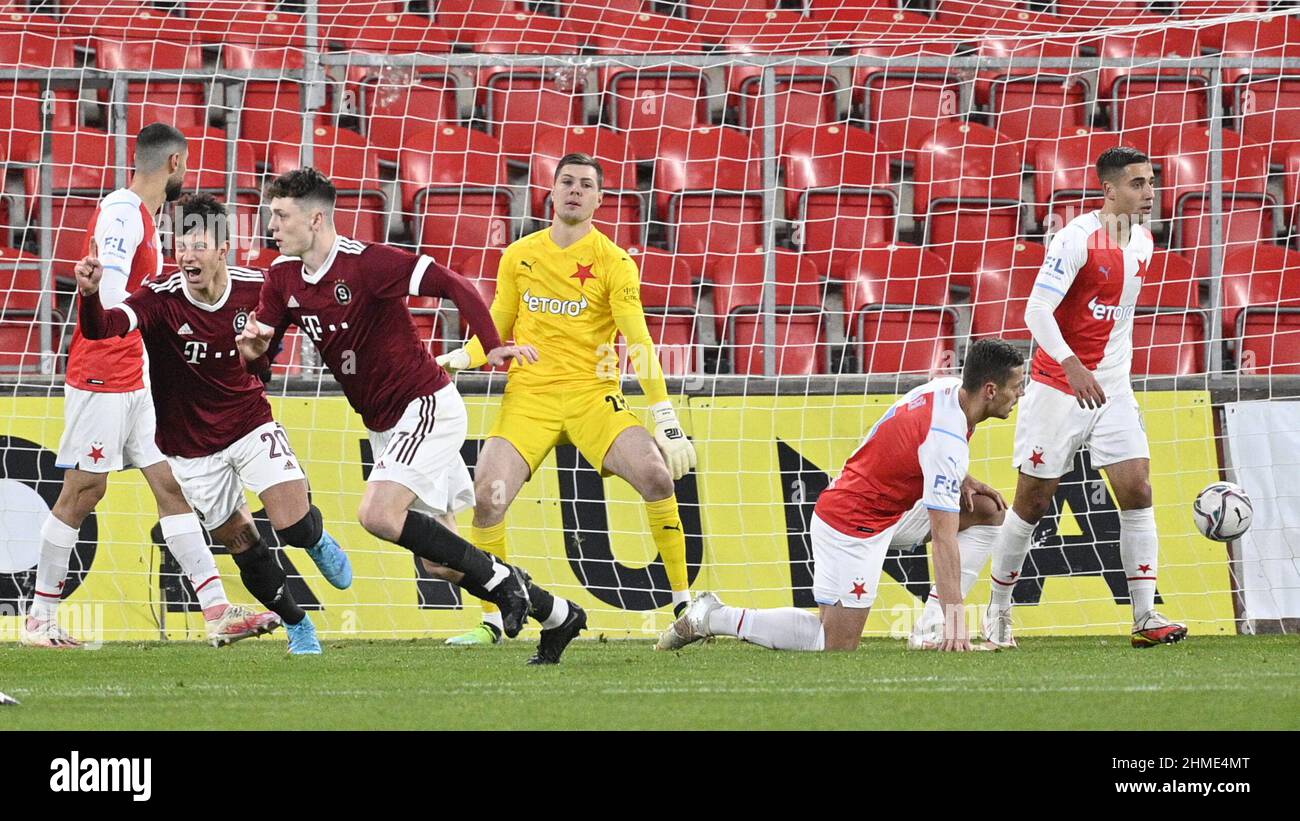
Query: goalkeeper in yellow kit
[[568, 291]]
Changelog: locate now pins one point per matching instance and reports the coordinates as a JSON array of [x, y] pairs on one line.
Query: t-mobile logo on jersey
[[1113, 312], [77, 774], [194, 351]]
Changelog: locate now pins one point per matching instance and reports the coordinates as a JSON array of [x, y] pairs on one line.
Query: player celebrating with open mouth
[[214, 421]]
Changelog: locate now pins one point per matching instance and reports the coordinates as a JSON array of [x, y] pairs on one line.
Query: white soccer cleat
[[46, 634], [997, 628], [239, 622], [692, 626], [1152, 629]]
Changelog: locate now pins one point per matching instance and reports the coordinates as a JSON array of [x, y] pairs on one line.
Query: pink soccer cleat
[[240, 622]]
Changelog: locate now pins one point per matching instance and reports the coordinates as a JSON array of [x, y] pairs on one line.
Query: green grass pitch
[[1067, 683]]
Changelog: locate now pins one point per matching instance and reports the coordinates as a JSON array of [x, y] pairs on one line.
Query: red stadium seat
[[669, 294], [20, 283], [20, 102], [289, 361], [1150, 105], [805, 96], [622, 213], [642, 102], [737, 303], [1185, 192], [249, 24], [361, 211], [1065, 178], [84, 166], [1195, 9], [1169, 328], [268, 107], [999, 286], [135, 19], [1261, 308], [708, 188], [1031, 105], [168, 98], [1090, 14], [975, 18], [395, 104], [967, 186], [716, 18], [897, 295], [1291, 184], [837, 191], [455, 192], [519, 100], [362, 28], [20, 344], [903, 105], [469, 21], [1267, 99], [427, 322]]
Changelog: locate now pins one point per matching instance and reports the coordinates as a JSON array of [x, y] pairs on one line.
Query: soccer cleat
[[692, 626], [554, 640], [302, 638], [1153, 629], [333, 563], [997, 627], [511, 597], [8, 701], [239, 622], [928, 633], [46, 634], [483, 634]]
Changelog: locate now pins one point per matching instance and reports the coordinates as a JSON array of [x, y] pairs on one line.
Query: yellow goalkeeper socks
[[666, 530], [493, 540]]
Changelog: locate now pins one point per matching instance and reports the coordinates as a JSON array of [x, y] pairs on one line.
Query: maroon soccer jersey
[[353, 308], [204, 397]]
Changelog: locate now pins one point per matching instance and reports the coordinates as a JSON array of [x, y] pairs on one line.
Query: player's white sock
[[559, 612], [1138, 549], [493, 617], [974, 545], [57, 541], [185, 540], [780, 628], [681, 597], [1009, 551]]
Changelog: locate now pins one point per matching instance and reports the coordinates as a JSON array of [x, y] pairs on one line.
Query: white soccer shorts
[[422, 452], [846, 569], [107, 432], [1051, 427], [214, 485]]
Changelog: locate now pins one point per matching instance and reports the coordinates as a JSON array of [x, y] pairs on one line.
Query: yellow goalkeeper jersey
[[570, 303]]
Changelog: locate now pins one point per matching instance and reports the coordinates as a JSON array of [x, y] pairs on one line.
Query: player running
[[215, 423], [108, 415], [1081, 316], [907, 477], [569, 291], [350, 299]]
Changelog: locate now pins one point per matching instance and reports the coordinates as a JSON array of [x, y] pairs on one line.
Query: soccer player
[[109, 418], [909, 475], [569, 290], [215, 423], [350, 299], [1081, 316]]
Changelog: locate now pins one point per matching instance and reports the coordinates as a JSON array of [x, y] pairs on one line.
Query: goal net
[[828, 201]]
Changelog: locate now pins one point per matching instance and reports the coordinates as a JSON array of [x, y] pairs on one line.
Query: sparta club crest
[[241, 319], [342, 293]]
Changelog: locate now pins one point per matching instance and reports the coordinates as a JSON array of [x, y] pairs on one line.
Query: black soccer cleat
[[511, 596], [553, 642]]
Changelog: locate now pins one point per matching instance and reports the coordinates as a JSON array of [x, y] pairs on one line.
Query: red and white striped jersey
[[919, 450], [1094, 286], [124, 232]]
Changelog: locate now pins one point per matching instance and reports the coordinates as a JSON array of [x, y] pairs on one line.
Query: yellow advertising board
[[762, 460]]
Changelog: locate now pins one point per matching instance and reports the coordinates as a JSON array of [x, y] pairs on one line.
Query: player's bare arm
[[947, 574]]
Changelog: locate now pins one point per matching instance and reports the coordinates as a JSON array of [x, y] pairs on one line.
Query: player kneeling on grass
[[349, 297], [214, 421], [909, 473]]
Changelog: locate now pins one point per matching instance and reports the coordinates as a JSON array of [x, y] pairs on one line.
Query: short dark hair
[[155, 143], [582, 159], [990, 360], [202, 212], [1113, 161], [304, 184]]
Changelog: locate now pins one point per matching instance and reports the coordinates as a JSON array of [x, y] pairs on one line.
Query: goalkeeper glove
[[453, 361], [679, 453]]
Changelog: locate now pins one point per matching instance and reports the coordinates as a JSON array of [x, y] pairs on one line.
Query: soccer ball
[[1223, 511]]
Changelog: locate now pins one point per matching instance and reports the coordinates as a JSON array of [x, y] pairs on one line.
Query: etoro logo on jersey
[[1112, 312], [549, 305]]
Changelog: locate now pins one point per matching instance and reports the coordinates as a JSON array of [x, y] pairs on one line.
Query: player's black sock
[[541, 602], [427, 538], [679, 609], [304, 533], [261, 574]]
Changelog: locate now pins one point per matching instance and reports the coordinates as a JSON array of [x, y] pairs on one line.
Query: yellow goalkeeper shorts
[[590, 419]]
